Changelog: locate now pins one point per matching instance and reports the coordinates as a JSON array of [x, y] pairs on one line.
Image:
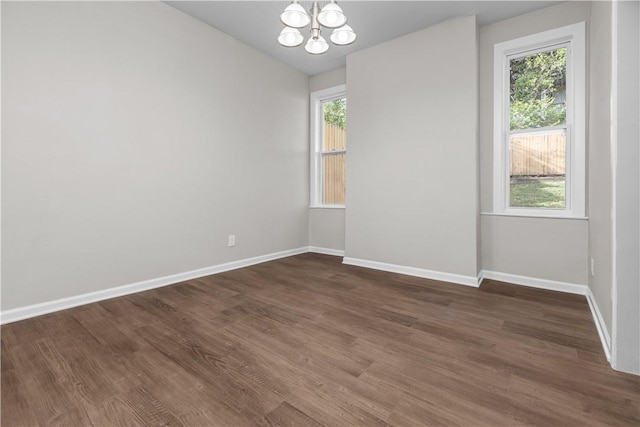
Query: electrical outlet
[[593, 268], [232, 240]]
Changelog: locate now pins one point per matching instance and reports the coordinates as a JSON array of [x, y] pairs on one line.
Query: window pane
[[335, 125], [537, 169], [537, 90], [333, 178], [334, 139]]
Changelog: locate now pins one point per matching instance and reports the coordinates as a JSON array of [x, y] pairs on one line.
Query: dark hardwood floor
[[308, 341]]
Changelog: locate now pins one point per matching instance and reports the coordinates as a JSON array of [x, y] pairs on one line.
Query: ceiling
[[257, 23]]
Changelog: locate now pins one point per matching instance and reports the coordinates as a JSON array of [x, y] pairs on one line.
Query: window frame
[[573, 36], [316, 125]]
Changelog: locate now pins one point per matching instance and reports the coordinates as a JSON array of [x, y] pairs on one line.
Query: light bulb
[[295, 19], [290, 37], [295, 16], [316, 46], [332, 16], [343, 36]]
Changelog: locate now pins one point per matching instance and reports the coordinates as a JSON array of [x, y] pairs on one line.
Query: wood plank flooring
[[306, 340]]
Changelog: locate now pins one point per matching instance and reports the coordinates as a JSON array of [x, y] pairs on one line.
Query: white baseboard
[[326, 251], [605, 339], [413, 271], [532, 282], [34, 310], [26, 312]]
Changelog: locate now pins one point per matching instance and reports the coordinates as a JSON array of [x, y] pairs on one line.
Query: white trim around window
[[316, 122], [573, 37]]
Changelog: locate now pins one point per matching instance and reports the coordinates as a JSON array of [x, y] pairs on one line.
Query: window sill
[[529, 215], [327, 207]]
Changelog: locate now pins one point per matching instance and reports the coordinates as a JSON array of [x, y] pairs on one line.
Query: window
[[539, 124], [328, 147]]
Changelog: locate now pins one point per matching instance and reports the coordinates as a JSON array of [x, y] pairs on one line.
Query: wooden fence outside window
[[334, 165], [538, 154]]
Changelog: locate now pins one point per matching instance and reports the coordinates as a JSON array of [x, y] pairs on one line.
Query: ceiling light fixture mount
[[329, 16]]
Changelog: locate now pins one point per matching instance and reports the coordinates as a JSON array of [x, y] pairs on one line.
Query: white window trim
[[316, 120], [576, 122]]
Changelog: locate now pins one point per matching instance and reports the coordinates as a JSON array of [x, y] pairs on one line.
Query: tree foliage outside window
[[335, 112], [536, 84]]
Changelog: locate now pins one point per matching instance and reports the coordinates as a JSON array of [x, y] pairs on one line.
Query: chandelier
[[330, 16]]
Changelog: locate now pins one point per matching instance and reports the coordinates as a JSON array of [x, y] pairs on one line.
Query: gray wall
[[126, 153], [329, 79], [626, 97], [560, 238], [559, 254], [326, 225], [600, 184], [412, 169], [326, 228]]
